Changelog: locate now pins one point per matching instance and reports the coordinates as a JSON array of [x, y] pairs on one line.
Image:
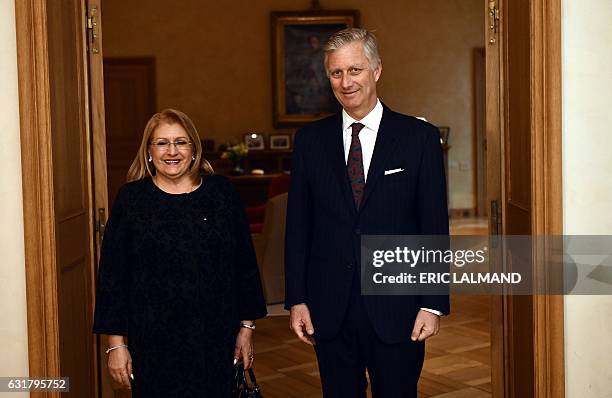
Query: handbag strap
[[242, 384], [253, 379], [241, 380]]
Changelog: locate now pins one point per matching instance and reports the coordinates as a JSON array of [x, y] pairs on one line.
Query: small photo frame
[[254, 141], [280, 141]]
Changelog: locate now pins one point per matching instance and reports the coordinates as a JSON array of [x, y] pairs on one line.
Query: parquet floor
[[457, 360]]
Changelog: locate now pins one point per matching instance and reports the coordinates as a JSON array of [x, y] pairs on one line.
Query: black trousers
[[394, 369]]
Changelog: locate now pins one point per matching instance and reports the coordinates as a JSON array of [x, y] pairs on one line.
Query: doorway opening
[[534, 23], [442, 79]]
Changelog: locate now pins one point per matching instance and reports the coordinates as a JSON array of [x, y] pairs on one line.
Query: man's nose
[[347, 81]]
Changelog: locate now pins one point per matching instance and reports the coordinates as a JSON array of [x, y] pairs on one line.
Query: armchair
[[256, 214], [270, 249]]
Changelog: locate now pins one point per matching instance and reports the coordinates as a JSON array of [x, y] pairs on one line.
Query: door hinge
[[92, 30], [495, 217], [101, 224], [493, 21]]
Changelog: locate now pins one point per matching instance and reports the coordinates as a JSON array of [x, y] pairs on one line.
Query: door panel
[[510, 133], [493, 133], [517, 140], [98, 149], [517, 183], [129, 92], [71, 192]]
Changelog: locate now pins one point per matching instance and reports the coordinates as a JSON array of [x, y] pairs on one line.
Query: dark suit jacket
[[322, 245]]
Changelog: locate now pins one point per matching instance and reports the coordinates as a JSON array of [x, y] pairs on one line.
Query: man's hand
[[426, 325], [300, 323]]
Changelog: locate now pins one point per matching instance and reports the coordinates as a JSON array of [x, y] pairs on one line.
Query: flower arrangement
[[235, 153]]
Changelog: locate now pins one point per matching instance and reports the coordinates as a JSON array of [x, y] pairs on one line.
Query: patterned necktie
[[355, 165]]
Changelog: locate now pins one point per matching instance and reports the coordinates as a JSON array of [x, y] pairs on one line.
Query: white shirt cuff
[[438, 313]]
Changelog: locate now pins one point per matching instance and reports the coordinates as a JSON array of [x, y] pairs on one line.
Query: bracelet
[[115, 347], [244, 325]]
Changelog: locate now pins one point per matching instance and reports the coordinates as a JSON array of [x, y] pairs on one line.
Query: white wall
[[587, 183], [13, 326]]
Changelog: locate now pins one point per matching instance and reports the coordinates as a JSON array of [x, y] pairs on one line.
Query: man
[[339, 191]]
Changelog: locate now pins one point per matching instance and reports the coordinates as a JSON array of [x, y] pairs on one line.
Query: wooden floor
[[457, 360]]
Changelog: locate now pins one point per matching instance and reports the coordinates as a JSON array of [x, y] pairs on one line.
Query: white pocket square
[[387, 172]]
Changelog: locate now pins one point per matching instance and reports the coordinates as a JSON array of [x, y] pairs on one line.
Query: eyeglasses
[[164, 145]]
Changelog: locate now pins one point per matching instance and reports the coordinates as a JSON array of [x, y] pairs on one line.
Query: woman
[[178, 274]]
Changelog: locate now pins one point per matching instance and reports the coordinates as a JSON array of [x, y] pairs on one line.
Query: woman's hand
[[244, 347], [120, 366]]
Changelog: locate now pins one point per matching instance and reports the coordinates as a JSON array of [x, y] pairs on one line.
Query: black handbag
[[241, 387]]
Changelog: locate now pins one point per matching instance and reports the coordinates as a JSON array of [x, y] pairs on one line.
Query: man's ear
[[378, 71]]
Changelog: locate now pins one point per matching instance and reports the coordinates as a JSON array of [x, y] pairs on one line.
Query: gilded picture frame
[[301, 90]]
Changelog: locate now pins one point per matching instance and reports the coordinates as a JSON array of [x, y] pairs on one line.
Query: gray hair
[[350, 35]]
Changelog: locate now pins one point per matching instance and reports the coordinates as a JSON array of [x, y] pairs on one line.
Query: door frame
[[37, 182], [547, 190], [38, 211]]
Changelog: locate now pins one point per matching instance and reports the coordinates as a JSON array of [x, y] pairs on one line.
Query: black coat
[[177, 275], [323, 232]]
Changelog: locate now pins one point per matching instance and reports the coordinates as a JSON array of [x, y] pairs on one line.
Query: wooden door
[[516, 197], [130, 100], [523, 130], [59, 119], [100, 181], [509, 182], [493, 122], [72, 192]]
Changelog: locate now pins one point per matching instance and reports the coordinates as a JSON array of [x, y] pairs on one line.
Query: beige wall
[[13, 326], [587, 185], [213, 62]]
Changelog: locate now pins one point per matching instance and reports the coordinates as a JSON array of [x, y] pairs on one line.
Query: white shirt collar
[[370, 121]]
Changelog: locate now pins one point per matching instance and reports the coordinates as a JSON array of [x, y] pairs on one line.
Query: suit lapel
[[385, 145], [336, 146]]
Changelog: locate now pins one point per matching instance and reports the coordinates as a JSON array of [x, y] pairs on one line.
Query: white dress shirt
[[367, 137]]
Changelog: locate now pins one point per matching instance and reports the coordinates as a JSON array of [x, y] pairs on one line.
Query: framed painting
[[301, 89]]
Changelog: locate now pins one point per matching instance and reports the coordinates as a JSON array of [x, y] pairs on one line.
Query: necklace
[[193, 186]]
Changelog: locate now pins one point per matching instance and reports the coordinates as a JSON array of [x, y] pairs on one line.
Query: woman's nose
[[172, 148]]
